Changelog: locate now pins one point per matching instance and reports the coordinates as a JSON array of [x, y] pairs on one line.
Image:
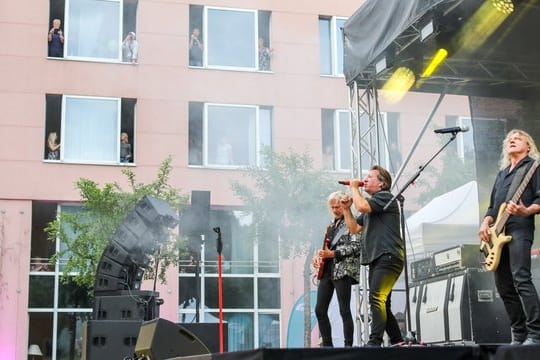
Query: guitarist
[[340, 270], [513, 274]]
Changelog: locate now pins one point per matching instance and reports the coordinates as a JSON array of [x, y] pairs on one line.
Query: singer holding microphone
[[338, 269], [382, 247]]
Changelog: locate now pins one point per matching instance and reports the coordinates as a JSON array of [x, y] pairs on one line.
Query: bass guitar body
[[492, 249]]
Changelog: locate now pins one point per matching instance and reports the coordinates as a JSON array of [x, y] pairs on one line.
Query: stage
[[454, 352]]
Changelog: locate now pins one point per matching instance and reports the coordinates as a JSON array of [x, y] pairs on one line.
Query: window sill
[[103, 61], [225, 68], [88, 163]]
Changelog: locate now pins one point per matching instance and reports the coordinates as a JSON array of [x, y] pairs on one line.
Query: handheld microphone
[[347, 182], [452, 130]]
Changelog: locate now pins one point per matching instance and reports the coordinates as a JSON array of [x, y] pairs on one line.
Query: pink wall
[[15, 223]]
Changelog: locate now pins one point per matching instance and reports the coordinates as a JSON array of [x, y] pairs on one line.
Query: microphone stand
[[410, 338], [219, 247]]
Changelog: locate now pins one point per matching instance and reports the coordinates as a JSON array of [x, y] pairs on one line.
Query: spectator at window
[[125, 148], [130, 48], [53, 147], [224, 154], [195, 48], [264, 56], [328, 158], [56, 40]]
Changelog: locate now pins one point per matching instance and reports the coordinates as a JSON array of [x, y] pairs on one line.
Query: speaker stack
[[456, 300], [120, 306]]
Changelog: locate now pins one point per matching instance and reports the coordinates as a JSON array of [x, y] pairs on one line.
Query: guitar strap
[[516, 181]]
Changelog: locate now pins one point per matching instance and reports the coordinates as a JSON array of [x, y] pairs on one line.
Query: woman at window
[[130, 48], [264, 56], [53, 148]]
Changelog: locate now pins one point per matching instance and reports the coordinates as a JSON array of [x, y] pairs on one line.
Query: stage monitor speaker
[[161, 339], [109, 339], [208, 333]]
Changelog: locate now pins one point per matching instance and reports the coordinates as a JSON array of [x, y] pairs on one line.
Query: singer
[[338, 265], [382, 248]]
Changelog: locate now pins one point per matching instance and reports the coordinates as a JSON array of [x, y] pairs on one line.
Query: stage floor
[[459, 352]]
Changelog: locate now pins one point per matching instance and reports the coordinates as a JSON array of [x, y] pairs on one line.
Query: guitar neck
[[517, 195]]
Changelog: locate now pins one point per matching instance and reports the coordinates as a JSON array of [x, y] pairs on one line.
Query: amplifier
[[458, 258], [422, 269]]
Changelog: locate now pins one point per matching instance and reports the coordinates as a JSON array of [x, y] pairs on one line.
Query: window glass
[[42, 249], [339, 45], [41, 291], [269, 331], [331, 45], [71, 295], [94, 29], [237, 293], [343, 122], [325, 46], [40, 332], [69, 335], [231, 38], [91, 129], [232, 135], [269, 293]]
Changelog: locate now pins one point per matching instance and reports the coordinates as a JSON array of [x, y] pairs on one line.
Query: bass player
[[513, 273], [338, 266]]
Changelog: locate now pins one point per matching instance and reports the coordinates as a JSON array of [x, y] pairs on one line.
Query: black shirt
[[381, 233], [499, 195]]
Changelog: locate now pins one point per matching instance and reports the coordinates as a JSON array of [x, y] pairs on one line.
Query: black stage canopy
[[506, 65]]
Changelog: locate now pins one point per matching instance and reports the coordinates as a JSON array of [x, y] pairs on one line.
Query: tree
[[454, 173], [288, 202], [84, 234]]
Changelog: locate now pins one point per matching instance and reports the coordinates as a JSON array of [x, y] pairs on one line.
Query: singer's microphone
[[347, 182], [452, 130]]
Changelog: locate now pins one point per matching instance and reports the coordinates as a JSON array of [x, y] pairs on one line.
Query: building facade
[[210, 83]]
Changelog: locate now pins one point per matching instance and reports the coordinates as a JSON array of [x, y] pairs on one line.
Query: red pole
[[220, 301]]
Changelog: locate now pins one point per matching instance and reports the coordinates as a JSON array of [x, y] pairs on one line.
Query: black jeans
[[383, 274], [513, 281], [324, 296]]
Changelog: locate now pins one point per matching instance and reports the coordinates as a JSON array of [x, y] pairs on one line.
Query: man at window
[[195, 48], [56, 40]]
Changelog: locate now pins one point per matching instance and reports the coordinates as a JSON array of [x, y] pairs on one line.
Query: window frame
[[336, 57], [118, 128], [259, 143]]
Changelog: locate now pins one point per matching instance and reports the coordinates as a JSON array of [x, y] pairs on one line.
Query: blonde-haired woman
[[53, 147]]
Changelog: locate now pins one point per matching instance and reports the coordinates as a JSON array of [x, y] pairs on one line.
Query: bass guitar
[[492, 248], [326, 244]]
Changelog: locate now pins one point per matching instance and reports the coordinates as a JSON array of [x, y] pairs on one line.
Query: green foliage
[[454, 173], [85, 233], [288, 201]]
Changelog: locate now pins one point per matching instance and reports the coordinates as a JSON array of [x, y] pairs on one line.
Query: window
[[331, 45], [225, 135], [251, 282], [93, 29], [56, 310], [89, 129], [229, 38], [337, 141]]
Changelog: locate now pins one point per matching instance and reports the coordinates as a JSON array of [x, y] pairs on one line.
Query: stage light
[[426, 31], [482, 24], [380, 65], [435, 62], [504, 6], [398, 84]]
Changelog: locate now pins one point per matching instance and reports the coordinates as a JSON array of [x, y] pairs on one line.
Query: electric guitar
[[326, 244], [492, 248]]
